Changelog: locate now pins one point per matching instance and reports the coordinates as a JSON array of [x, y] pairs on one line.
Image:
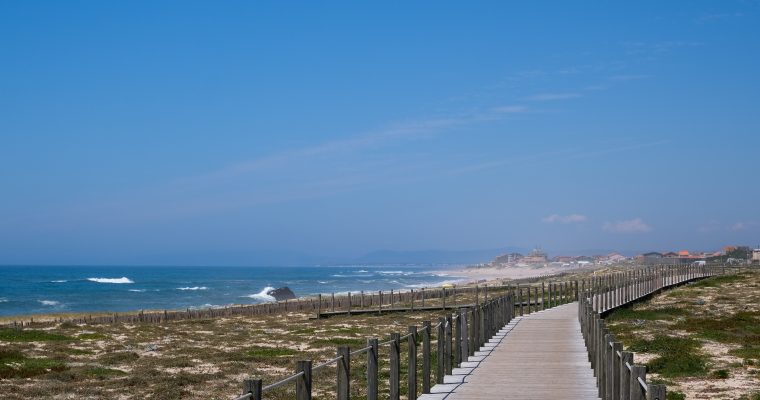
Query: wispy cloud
[[631, 77], [636, 225], [553, 96], [715, 17], [510, 109], [742, 226], [564, 219]]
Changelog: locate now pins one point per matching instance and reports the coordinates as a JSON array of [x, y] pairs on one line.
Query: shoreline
[[459, 276]]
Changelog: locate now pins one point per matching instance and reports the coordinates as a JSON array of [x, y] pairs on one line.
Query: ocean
[[60, 289]]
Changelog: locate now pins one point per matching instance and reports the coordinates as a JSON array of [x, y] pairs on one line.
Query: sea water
[[57, 289]]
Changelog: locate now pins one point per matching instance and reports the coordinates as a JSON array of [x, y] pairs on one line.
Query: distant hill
[[434, 256]]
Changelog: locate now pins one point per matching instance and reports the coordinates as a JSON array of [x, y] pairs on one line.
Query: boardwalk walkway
[[537, 356]]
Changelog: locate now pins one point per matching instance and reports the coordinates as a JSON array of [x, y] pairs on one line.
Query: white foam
[[137, 290], [391, 272], [60, 281], [429, 285], [263, 295], [322, 282], [193, 288], [123, 279], [49, 302], [3, 300]]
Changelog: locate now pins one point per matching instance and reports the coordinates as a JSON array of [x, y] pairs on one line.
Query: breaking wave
[[193, 288], [263, 295], [123, 279], [52, 303]]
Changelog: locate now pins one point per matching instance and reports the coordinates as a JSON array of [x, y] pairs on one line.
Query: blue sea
[[42, 289]]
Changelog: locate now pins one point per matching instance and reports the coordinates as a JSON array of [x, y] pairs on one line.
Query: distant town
[[539, 258]]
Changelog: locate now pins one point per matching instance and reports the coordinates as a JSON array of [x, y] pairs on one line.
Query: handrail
[[616, 374], [282, 382], [472, 324]]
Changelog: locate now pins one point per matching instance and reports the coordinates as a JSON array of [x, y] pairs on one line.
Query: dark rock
[[283, 293]]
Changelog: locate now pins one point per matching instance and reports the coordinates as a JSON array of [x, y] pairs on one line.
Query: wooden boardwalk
[[537, 356]]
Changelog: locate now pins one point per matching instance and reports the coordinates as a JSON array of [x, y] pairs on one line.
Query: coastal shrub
[[13, 364], [340, 341], [119, 357], [750, 353], [717, 281], [679, 364], [263, 353], [627, 313], [662, 344], [677, 356], [102, 373], [92, 336], [742, 328], [675, 395], [720, 374], [30, 335]]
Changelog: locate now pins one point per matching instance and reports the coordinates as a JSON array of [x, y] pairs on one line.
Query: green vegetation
[[13, 364], [628, 313], [675, 395], [677, 356], [716, 281], [103, 373], [91, 336], [30, 335], [263, 353]]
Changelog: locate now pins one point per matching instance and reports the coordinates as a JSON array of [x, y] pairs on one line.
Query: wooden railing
[[457, 335], [617, 376]]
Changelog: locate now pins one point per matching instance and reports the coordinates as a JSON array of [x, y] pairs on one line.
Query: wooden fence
[[617, 376], [457, 336]]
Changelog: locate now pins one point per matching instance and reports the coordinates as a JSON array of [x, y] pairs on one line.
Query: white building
[[756, 256]]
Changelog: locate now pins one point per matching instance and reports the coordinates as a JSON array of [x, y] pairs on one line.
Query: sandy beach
[[493, 274]]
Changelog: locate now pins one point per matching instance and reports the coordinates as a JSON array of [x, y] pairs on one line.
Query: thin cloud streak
[[553, 96], [565, 219], [636, 225]]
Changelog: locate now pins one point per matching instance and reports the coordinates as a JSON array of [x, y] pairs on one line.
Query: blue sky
[[245, 132]]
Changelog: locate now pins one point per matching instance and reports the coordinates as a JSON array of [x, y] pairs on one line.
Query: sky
[[250, 133]]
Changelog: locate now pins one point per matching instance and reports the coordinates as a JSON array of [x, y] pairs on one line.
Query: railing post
[[426, 357], [617, 347], [412, 363], [395, 367], [458, 355], [543, 296], [520, 298], [440, 356], [343, 380], [626, 358], [464, 343], [447, 350], [637, 371], [303, 383], [252, 386], [372, 371], [656, 392]]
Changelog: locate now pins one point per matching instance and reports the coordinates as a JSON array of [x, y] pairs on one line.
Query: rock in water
[[283, 293]]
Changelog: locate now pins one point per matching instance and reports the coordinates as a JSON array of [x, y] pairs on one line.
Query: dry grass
[[206, 358]]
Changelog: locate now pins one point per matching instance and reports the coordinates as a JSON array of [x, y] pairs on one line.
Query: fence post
[[656, 392], [412, 363], [426, 357], [464, 343], [349, 302], [529, 300], [447, 349], [458, 356], [543, 296], [443, 307], [616, 371], [344, 373], [372, 369], [303, 384], [252, 386], [439, 354], [626, 358], [637, 371], [395, 367]]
